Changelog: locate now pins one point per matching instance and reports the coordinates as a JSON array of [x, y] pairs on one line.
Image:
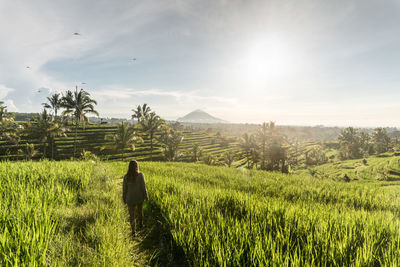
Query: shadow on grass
[[155, 240], [392, 178]]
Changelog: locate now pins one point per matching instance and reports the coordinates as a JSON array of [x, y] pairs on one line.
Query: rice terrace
[[199, 133]]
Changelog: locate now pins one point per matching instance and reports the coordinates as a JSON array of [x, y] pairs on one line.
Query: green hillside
[[381, 167], [93, 139], [65, 213]]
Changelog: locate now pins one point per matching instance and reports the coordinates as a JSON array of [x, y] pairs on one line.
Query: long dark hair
[[133, 170]]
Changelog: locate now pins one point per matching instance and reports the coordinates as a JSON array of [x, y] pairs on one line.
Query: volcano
[[200, 116]]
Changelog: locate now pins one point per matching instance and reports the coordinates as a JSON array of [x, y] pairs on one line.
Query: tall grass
[[30, 193], [71, 213], [227, 217], [62, 214]]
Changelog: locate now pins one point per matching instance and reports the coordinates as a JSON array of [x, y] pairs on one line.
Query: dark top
[[134, 192]]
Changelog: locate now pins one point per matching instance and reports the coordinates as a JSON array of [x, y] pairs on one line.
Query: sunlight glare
[[265, 61]]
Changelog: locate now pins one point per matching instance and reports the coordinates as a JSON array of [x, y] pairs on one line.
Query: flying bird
[[76, 33], [134, 59], [83, 83], [28, 67], [39, 91]]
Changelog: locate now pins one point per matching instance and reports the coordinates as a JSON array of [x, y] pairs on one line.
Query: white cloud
[[4, 91], [10, 105], [37, 33], [186, 45]]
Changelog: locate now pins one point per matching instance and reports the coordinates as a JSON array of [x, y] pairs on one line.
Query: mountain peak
[[200, 116]]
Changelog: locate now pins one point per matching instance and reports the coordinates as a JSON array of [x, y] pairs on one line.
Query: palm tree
[[78, 104], [55, 102], [8, 128], [151, 124], [254, 155], [247, 143], [265, 135], [229, 158], [170, 140], [349, 141], [365, 144], [141, 112], [210, 159], [46, 130], [381, 140], [125, 137], [3, 111], [29, 152], [196, 152], [65, 116]]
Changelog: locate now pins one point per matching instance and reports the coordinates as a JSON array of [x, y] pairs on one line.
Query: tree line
[[47, 125], [355, 143], [64, 113], [266, 149]]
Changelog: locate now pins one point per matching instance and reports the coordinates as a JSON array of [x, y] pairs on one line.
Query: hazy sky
[[292, 62]]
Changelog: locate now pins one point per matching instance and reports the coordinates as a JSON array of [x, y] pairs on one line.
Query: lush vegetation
[[338, 206], [266, 147], [223, 216], [68, 213], [62, 214]]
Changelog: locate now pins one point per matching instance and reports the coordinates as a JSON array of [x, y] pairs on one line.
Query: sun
[[265, 61]]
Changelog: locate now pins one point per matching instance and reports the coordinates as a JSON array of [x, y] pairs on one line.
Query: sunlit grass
[[71, 213], [223, 216], [61, 213]]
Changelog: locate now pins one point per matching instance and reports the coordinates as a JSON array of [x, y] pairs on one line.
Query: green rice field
[[71, 213]]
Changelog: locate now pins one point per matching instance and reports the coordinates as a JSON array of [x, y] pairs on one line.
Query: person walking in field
[[134, 193]]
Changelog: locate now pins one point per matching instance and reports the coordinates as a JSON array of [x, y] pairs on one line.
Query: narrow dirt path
[[153, 244]]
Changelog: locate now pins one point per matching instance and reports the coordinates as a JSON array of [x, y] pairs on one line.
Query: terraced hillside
[[93, 139], [381, 167]]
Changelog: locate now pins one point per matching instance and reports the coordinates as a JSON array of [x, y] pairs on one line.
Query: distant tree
[[177, 126], [247, 144], [255, 156], [9, 129], [29, 151], [210, 159], [88, 155], [196, 152], [277, 157], [54, 102], [349, 141], [141, 112], [229, 158], [125, 137], [45, 129], [293, 157], [3, 112], [151, 124], [79, 104], [170, 140], [381, 140], [366, 145], [265, 136], [315, 156]]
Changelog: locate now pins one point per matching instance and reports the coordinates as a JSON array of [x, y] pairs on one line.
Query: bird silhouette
[[133, 59], [77, 33], [28, 67]]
